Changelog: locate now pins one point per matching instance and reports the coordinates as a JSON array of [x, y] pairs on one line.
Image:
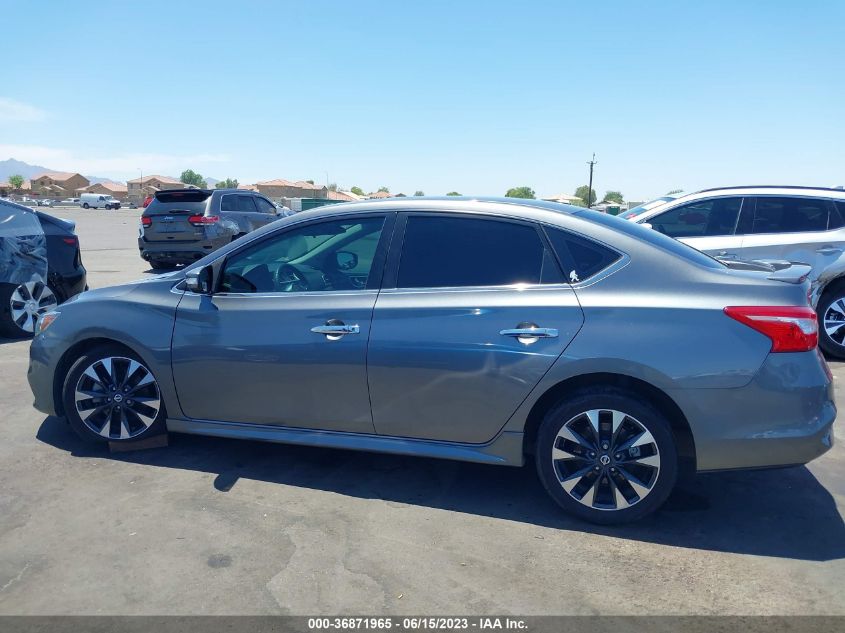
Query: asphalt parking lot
[[218, 526]]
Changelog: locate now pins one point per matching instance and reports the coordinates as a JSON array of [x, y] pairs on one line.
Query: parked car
[[146, 202], [381, 326], [45, 203], [98, 201], [69, 202], [44, 249], [800, 224], [183, 225]]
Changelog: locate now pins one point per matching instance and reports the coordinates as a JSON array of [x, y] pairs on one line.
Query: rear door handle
[[531, 332], [828, 250]]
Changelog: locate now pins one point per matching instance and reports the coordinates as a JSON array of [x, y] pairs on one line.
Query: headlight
[[46, 319]]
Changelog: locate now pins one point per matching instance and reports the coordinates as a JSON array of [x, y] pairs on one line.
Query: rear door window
[[441, 252], [579, 257], [790, 215], [703, 218]]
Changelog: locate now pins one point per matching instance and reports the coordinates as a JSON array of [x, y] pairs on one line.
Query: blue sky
[[469, 96]]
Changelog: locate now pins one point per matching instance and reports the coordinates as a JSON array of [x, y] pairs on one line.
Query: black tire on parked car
[[84, 205], [606, 456], [831, 315], [110, 395]]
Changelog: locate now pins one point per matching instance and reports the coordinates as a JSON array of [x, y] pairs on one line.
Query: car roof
[[534, 209]]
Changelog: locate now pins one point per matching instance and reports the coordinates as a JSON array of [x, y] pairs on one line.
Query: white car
[[98, 201], [797, 224]]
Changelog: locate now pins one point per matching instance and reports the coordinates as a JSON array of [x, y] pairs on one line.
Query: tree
[[229, 183], [384, 190], [16, 181], [675, 192], [418, 192], [357, 191], [520, 192], [453, 193], [190, 177], [332, 186], [310, 182], [582, 193], [614, 196]]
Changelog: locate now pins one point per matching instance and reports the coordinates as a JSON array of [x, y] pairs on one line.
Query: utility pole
[[590, 187]]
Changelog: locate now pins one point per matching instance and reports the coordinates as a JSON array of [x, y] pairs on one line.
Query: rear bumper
[[783, 417], [177, 253]]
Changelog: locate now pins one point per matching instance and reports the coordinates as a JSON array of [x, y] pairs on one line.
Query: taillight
[[69, 240], [790, 328], [199, 220], [146, 221]]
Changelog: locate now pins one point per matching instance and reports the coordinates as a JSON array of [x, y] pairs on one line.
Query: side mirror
[[346, 260], [199, 280]]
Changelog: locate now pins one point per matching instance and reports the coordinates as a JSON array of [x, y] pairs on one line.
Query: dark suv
[[184, 225]]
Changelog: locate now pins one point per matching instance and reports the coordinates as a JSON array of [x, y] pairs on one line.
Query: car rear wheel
[[21, 306], [110, 395], [84, 205], [831, 313], [606, 456]]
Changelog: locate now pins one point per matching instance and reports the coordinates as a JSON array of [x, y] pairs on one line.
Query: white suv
[[799, 224]]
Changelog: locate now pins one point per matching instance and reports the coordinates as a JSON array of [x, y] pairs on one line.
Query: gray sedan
[[491, 331]]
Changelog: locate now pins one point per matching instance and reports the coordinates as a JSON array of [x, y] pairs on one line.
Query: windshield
[[646, 206], [651, 236]]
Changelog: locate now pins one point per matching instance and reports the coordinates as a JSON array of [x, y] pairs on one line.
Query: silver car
[[482, 330], [799, 224]]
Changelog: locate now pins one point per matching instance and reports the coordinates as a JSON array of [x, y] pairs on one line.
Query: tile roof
[[56, 175], [162, 179]]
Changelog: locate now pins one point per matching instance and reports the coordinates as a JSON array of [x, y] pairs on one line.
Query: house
[[113, 189], [281, 188], [140, 188], [58, 184], [248, 187], [563, 198], [379, 195], [344, 196]]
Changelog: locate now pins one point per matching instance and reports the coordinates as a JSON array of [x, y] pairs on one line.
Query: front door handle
[[531, 332], [335, 330]]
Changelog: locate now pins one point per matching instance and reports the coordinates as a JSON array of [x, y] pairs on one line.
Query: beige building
[[113, 189], [58, 184], [281, 188], [140, 188]]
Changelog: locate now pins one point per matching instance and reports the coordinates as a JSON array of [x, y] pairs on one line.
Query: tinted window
[[448, 251], [265, 206], [698, 219], [244, 204], [172, 203], [306, 259], [837, 216], [789, 215], [581, 258]]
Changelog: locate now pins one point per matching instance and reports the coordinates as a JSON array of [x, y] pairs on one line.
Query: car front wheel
[[606, 456], [110, 395], [21, 306]]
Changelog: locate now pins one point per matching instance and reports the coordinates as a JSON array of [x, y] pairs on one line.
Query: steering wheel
[[289, 279]]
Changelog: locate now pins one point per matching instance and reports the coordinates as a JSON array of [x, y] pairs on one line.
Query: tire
[[628, 480], [159, 265], [830, 312], [125, 403], [20, 306], [85, 205]]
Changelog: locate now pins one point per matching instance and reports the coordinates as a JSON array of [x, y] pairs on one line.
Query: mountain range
[[11, 167]]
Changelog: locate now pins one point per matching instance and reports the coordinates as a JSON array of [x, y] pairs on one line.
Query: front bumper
[[783, 417]]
